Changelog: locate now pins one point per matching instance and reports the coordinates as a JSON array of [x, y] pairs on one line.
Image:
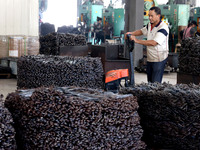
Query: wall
[[19, 17]]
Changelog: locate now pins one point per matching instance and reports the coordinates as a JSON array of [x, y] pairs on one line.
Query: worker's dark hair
[[156, 9], [189, 24], [192, 23], [99, 18]]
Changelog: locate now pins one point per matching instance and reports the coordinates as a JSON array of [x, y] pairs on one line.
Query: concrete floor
[[10, 85], [170, 78], [7, 86]]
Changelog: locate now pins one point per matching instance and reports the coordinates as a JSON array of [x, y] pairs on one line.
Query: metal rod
[[132, 78]]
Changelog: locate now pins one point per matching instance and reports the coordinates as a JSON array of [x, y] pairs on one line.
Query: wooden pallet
[[6, 74]]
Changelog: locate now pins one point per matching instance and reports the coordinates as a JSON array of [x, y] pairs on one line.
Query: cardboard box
[[17, 46], [33, 45], [3, 46]]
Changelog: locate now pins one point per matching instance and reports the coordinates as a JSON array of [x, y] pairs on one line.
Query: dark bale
[[189, 57], [7, 132], [37, 71], [47, 28], [75, 118], [50, 44], [170, 115]]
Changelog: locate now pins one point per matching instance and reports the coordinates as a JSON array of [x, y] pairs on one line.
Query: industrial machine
[[147, 5], [114, 77], [108, 21], [88, 12], [118, 21], [115, 17], [196, 17], [177, 17], [108, 14]]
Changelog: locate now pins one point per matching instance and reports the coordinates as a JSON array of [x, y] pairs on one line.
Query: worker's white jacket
[[160, 34]]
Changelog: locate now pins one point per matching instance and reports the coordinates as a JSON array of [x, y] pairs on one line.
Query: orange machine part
[[104, 20], [81, 17], [198, 25], [116, 74]]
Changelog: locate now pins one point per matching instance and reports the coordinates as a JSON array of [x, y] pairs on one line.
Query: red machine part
[[116, 74]]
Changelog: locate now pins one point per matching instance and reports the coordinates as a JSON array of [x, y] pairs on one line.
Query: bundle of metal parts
[[41, 70], [114, 77], [189, 59], [47, 28], [75, 118], [7, 132], [51, 43], [169, 115], [68, 29]]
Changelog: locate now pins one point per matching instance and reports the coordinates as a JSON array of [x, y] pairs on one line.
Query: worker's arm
[[144, 42], [135, 33]]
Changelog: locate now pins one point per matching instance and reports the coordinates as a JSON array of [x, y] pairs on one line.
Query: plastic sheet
[[72, 118]]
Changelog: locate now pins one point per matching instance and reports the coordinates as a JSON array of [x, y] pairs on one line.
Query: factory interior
[[72, 76]]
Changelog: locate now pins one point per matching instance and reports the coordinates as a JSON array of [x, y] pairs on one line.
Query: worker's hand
[[127, 34], [133, 38]]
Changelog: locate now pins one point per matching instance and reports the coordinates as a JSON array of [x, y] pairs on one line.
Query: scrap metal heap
[[75, 118], [51, 43], [41, 70], [7, 132], [169, 115], [189, 57]]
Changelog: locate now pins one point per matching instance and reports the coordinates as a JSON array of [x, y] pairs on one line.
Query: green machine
[[89, 12], [196, 17], [87, 16], [177, 17], [108, 14], [118, 21], [108, 21], [115, 17], [95, 11]]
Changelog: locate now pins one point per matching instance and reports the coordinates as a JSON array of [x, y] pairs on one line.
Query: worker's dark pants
[[155, 71], [100, 36]]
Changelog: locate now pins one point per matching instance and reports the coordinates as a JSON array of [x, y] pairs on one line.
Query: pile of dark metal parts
[[68, 29], [7, 132], [43, 70], [170, 115], [47, 28], [50, 44], [73, 118], [189, 58]]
